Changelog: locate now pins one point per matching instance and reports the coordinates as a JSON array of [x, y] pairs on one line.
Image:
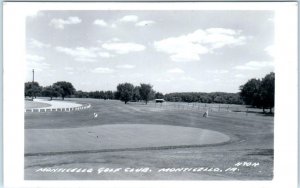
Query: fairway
[[154, 136]]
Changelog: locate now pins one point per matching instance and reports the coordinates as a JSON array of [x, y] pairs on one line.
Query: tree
[[259, 93], [32, 89], [102, 95], [136, 93], [81, 94], [205, 98], [250, 93], [146, 92], [219, 99], [116, 95], [109, 95], [159, 95], [125, 92], [67, 88], [52, 91], [267, 90], [187, 97]]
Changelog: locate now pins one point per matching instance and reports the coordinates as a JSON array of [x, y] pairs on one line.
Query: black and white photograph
[[150, 94]]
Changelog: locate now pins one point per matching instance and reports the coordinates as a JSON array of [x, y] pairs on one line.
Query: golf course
[[111, 140]]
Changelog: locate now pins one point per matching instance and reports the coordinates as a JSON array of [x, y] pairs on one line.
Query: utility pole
[[32, 75]]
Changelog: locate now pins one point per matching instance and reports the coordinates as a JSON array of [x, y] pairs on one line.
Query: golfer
[[205, 114]]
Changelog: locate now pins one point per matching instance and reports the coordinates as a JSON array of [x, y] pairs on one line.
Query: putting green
[[117, 136]]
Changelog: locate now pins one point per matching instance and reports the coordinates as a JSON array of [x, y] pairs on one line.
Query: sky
[[175, 51]]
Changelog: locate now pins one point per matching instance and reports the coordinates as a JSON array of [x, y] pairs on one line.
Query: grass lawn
[[251, 140], [34, 104]]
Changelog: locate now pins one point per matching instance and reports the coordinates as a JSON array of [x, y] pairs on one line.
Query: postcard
[[154, 93]]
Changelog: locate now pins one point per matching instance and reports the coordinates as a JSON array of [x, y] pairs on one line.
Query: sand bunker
[[117, 137]]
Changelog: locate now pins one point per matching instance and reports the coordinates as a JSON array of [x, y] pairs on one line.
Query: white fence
[[86, 106]]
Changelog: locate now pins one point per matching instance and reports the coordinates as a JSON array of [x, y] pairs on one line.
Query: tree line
[[128, 92], [201, 97], [125, 92], [258, 93], [58, 89]]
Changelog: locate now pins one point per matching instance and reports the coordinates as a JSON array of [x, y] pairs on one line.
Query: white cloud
[[37, 66], [144, 23], [129, 18], [176, 71], [30, 57], [92, 54], [222, 31], [123, 48], [70, 72], [38, 44], [36, 62], [164, 80], [115, 39], [136, 75], [59, 23], [103, 70], [187, 78], [219, 37], [113, 25], [239, 76], [84, 54], [178, 76], [126, 66], [100, 23], [105, 54], [254, 65], [185, 56], [69, 68], [80, 53], [217, 71], [191, 46]]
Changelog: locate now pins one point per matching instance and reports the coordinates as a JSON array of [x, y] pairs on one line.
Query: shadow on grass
[[262, 152], [271, 114]]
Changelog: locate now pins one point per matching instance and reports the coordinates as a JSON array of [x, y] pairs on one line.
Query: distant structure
[[159, 100]]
